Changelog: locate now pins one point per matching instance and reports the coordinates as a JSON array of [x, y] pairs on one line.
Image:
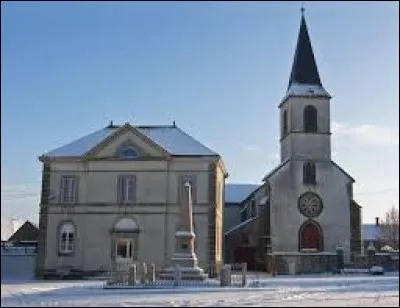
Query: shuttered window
[[126, 189], [69, 188]]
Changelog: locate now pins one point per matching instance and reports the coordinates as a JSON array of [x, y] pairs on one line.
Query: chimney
[[376, 221]]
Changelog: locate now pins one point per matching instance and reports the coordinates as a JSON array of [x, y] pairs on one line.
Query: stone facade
[[96, 210], [307, 210]]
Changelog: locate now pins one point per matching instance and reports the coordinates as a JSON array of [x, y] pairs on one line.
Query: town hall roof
[[169, 137]]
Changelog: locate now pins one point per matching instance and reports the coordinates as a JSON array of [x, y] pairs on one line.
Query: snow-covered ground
[[354, 290]]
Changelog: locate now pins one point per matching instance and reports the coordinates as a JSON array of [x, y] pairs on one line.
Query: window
[[253, 208], [192, 180], [67, 238], [243, 215], [310, 204], [69, 188], [309, 173], [284, 123], [126, 189], [124, 249], [127, 152], [310, 119]]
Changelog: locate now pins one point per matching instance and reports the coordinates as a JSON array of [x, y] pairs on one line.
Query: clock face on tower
[[310, 204]]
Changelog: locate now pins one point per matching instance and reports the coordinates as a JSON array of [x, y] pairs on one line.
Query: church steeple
[[304, 68]]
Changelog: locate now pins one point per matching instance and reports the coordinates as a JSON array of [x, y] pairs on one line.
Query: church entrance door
[[310, 237]]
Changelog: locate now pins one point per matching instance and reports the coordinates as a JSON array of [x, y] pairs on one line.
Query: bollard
[[371, 254], [132, 273], [144, 274], [178, 275], [226, 277], [244, 273], [339, 258], [153, 273]]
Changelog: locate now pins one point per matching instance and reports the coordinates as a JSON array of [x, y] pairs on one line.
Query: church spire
[[304, 68]]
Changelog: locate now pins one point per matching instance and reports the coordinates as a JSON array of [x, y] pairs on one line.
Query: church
[[304, 213], [113, 196]]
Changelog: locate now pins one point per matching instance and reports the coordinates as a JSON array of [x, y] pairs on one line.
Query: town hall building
[[113, 196]]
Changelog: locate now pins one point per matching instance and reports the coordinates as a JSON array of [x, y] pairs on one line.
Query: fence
[[16, 250], [18, 262], [142, 275], [388, 260]]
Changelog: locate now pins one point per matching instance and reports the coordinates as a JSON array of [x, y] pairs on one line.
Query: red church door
[[310, 237]]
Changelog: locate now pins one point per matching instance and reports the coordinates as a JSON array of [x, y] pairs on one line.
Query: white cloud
[[364, 135]]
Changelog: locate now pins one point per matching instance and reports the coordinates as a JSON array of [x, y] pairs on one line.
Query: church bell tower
[[304, 111]]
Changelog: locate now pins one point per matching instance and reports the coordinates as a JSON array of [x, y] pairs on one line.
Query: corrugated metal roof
[[171, 138]]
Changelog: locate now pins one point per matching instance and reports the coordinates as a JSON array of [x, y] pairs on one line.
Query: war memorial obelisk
[[184, 255]]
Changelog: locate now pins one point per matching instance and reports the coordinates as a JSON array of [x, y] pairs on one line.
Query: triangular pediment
[[126, 136]]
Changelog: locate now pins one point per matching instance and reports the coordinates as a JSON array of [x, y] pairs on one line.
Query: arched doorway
[[124, 240], [310, 236]]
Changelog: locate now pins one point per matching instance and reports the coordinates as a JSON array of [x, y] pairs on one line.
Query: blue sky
[[219, 69]]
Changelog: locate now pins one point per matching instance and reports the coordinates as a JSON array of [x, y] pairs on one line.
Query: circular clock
[[310, 204]]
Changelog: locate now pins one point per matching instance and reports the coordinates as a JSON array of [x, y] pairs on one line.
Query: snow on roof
[[309, 90], [81, 145], [242, 224], [171, 138], [9, 227], [236, 193], [176, 141], [370, 232]]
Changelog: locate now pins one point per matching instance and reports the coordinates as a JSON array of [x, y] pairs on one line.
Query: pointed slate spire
[[304, 68]]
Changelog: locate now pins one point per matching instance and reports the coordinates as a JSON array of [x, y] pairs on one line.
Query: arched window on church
[[310, 119], [284, 123], [310, 236], [309, 173]]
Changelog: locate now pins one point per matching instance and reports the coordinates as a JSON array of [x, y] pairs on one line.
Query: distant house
[[371, 233], [26, 235], [8, 228], [18, 232]]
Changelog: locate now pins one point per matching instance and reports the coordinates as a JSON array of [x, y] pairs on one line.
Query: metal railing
[[143, 275]]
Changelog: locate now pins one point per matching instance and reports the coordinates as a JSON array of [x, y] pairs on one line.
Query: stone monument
[[184, 256]]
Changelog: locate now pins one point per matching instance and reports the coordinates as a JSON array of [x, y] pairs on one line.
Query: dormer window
[[127, 152]]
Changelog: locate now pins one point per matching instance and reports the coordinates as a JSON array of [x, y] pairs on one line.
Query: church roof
[[304, 78], [236, 193], [304, 68], [171, 138]]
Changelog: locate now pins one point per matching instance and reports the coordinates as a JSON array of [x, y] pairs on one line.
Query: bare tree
[[390, 228]]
